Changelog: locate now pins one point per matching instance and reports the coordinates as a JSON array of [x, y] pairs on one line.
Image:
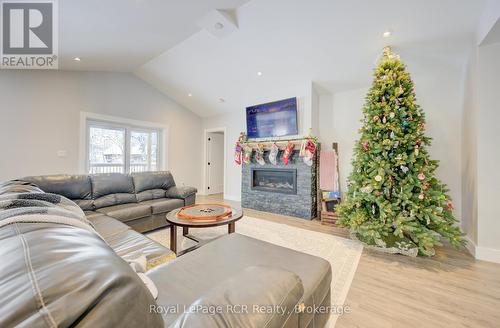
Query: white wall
[[488, 154], [469, 151], [234, 124], [40, 115]]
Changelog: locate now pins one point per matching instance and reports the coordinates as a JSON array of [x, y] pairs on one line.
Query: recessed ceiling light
[[77, 59], [218, 26], [259, 73], [387, 34], [222, 100], [190, 95]]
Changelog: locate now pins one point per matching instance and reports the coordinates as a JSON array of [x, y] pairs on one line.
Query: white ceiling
[[333, 43], [120, 35]]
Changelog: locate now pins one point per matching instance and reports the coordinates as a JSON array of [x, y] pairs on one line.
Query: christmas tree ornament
[[366, 189], [247, 154], [388, 228], [287, 153], [259, 154], [273, 154], [237, 153], [309, 152]]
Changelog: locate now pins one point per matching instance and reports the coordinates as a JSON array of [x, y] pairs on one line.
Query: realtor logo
[[29, 34]]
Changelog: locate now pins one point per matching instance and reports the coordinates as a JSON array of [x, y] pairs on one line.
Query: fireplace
[[274, 180], [286, 189]]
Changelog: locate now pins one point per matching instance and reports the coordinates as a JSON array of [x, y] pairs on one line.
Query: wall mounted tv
[[275, 119]]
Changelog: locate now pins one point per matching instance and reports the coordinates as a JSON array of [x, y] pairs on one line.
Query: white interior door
[[215, 162]]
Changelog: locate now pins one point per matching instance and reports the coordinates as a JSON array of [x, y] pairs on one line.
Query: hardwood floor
[[451, 289]]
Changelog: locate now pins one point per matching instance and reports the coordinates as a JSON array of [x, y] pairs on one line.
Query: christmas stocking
[[309, 152], [247, 154], [287, 153], [237, 153], [273, 154], [259, 154]]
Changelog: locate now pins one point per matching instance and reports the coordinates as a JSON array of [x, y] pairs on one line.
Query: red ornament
[[426, 185], [450, 206], [365, 145]]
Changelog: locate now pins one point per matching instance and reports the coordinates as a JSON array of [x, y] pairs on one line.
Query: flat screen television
[[275, 119]]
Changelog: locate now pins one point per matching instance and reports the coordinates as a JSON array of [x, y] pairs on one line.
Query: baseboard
[[482, 253], [487, 254], [470, 246], [233, 197]]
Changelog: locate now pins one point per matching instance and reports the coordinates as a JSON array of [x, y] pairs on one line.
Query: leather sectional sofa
[[57, 275]]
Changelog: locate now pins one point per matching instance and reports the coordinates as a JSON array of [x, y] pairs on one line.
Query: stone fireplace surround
[[301, 204]]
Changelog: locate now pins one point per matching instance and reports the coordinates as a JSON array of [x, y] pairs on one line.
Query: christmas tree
[[394, 200]]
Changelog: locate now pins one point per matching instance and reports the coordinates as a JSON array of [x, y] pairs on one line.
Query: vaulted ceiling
[[333, 43]]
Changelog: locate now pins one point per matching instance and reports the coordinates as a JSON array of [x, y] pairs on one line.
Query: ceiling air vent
[[219, 23]]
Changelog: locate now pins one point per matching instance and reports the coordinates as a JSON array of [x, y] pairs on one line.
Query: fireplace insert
[[274, 180]]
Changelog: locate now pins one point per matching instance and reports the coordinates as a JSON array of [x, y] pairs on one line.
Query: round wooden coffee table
[[176, 221]]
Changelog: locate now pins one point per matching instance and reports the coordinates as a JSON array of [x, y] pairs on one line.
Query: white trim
[[488, 254], [205, 156], [233, 198], [86, 116], [482, 253], [470, 246]]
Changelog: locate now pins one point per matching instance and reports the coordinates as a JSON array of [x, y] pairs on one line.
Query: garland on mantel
[[244, 149]]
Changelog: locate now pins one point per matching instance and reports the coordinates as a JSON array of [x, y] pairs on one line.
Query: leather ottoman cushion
[[127, 212], [159, 206], [130, 245], [241, 252]]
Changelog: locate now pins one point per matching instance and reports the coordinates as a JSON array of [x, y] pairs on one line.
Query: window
[[118, 148]]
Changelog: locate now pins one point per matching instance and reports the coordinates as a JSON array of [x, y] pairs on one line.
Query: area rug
[[343, 254]]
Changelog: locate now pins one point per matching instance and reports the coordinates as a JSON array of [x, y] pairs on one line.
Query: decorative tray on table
[[205, 212]]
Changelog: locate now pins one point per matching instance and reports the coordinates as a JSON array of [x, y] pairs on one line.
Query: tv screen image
[[275, 119]]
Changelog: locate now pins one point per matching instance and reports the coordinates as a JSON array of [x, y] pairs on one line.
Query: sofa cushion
[[114, 199], [105, 225], [130, 245], [127, 212], [75, 187], [180, 192], [150, 194], [164, 205], [112, 183], [152, 180]]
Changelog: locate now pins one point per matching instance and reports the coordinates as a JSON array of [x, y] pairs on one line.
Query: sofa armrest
[[180, 192], [255, 297]]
